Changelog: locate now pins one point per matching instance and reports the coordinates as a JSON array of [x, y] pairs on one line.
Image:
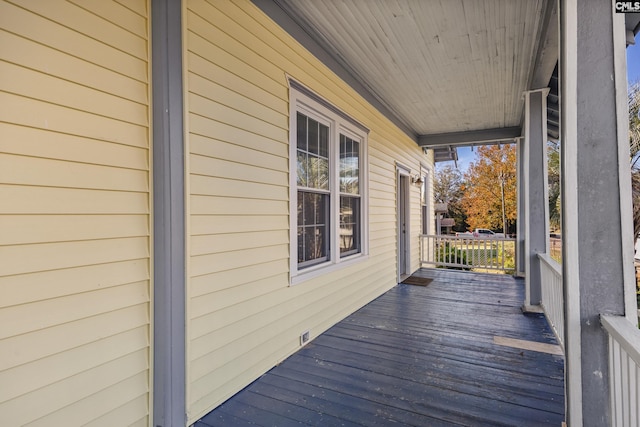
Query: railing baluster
[[552, 294], [464, 252], [624, 372]]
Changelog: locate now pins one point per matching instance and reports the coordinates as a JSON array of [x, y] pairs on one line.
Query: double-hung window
[[312, 181], [328, 191], [424, 199], [350, 218]]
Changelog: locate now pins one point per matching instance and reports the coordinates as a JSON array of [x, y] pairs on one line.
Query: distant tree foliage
[[634, 146], [553, 168], [489, 198], [448, 187]]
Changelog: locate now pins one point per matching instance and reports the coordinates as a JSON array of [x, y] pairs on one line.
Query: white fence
[[552, 294], [468, 252], [624, 370]]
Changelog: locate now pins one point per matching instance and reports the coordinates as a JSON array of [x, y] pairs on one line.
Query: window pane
[[349, 165], [309, 209], [323, 141], [300, 208], [321, 209], [313, 217], [323, 173], [349, 225], [425, 222], [302, 132], [301, 237], [317, 245], [303, 169], [313, 136], [317, 172], [313, 149], [424, 189]]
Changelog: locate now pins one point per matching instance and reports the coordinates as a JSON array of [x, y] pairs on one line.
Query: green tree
[[448, 187], [634, 147], [490, 195], [553, 168]]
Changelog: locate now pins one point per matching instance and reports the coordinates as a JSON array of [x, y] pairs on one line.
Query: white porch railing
[[552, 294], [624, 370], [468, 252]]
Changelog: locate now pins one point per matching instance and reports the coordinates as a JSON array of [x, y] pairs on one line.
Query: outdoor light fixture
[[417, 180]]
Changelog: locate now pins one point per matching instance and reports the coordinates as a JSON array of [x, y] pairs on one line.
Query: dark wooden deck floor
[[418, 356]]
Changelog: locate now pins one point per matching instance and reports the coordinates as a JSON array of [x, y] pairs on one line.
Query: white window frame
[[426, 205], [303, 100]]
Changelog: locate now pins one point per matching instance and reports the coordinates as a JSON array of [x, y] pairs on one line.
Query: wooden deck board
[[417, 356]]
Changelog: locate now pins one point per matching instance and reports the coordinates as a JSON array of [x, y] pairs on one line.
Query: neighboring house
[[187, 188]]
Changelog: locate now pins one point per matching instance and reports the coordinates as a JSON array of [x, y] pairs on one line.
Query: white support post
[[597, 221], [536, 209], [520, 229]]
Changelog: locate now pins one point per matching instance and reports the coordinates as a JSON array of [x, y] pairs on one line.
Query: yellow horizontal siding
[[34, 375], [70, 38], [215, 243], [201, 165], [54, 397], [20, 259], [238, 152], [32, 287], [223, 280], [230, 296], [138, 7], [250, 105], [84, 412], [129, 19], [199, 125], [215, 224], [211, 205], [75, 286], [39, 114], [34, 84], [40, 343], [214, 186], [89, 23], [49, 60], [18, 170], [22, 229], [52, 200], [127, 414], [201, 37], [229, 83], [243, 317], [238, 118], [31, 142], [204, 264], [43, 314]]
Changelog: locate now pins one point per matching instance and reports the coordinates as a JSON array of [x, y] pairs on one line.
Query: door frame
[[403, 240]]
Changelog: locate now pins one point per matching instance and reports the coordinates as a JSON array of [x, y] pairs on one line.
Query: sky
[[466, 155]]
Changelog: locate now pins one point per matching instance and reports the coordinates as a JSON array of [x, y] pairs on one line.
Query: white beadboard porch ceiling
[[441, 66]]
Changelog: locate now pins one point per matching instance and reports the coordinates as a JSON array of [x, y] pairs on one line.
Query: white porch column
[[596, 194], [536, 205], [520, 229]]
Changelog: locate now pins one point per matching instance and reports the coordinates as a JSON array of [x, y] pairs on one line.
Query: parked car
[[484, 233]]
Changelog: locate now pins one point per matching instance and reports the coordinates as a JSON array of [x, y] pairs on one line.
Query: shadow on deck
[[418, 356]]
